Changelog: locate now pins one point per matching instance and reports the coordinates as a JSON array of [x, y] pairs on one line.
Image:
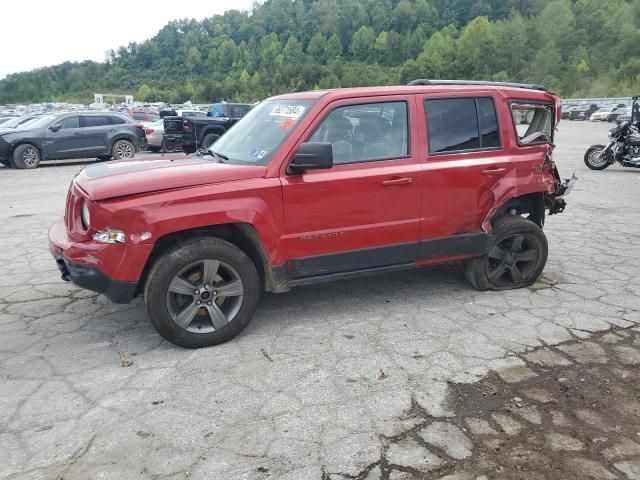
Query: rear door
[[96, 130], [364, 212], [67, 141], [464, 159]]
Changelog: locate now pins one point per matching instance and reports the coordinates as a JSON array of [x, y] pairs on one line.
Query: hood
[[130, 177]]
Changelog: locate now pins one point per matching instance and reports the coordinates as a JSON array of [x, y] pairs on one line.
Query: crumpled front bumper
[[86, 274]]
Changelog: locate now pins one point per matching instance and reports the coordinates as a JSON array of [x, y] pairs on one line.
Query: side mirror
[[311, 156], [55, 128]]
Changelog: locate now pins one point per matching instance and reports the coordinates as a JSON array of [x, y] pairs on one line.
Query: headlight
[[85, 216], [109, 236]]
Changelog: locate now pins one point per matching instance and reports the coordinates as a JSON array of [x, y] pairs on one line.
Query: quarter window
[[366, 132], [459, 124], [533, 122]]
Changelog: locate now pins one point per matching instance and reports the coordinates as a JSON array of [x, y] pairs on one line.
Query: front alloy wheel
[[205, 296], [202, 292]]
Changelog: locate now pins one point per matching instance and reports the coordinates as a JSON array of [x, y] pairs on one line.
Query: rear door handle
[[397, 181], [494, 171]]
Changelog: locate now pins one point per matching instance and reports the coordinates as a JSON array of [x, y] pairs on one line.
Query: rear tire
[[594, 159], [26, 156], [516, 259], [209, 139], [154, 149], [183, 292], [168, 147], [123, 150]]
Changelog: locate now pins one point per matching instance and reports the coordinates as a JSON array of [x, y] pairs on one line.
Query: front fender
[[256, 202]]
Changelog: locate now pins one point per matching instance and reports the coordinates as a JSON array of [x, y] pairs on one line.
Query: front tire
[[202, 293], [26, 156], [123, 150], [516, 259], [595, 159]]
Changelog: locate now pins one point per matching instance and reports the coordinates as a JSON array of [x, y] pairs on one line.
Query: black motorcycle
[[623, 146]]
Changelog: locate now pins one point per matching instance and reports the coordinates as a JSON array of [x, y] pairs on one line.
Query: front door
[[364, 212], [64, 139]]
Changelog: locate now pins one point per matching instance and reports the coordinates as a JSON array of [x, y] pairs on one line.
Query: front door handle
[[397, 181], [494, 171]]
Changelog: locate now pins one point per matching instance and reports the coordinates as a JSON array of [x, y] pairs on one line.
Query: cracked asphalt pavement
[[405, 376]]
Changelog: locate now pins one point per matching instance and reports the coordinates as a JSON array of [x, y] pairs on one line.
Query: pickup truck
[[190, 133], [318, 186]]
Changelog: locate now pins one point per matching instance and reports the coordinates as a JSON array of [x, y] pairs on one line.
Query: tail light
[[186, 126], [148, 131], [139, 125]]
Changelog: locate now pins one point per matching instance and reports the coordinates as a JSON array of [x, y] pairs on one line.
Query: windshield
[[39, 122], [255, 138]]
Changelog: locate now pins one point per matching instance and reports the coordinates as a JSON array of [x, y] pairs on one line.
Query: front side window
[[365, 132], [257, 136], [70, 122], [533, 122], [460, 124]]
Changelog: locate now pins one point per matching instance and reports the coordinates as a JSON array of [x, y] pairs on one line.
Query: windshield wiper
[[221, 158]]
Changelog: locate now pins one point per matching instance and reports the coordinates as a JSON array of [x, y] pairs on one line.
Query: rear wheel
[[154, 149], [122, 150], [595, 158], [202, 293], [516, 259], [26, 156], [168, 146]]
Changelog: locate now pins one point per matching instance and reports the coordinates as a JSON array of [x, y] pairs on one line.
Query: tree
[[317, 46], [333, 49], [362, 43]]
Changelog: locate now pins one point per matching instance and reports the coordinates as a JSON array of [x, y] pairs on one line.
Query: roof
[[517, 90]]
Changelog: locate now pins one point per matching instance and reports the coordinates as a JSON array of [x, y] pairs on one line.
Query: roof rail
[[422, 81]]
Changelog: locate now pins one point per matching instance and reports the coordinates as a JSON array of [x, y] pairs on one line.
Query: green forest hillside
[[575, 47]]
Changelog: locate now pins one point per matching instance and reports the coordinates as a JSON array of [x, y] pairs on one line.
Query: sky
[[39, 33]]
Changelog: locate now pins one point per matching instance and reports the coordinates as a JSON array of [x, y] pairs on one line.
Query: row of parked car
[[28, 140], [605, 113]]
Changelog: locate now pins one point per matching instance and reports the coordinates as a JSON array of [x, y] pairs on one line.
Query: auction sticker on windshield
[[291, 111]]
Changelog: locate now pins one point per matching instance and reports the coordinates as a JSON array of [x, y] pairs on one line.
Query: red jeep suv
[[317, 186]]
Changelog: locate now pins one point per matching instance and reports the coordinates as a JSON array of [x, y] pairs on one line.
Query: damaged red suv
[[317, 186]]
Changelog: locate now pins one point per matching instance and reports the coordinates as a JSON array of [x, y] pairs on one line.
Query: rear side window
[[238, 111], [96, 121], [117, 120], [460, 124]]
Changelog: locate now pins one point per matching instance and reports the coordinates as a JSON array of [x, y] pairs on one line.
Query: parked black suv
[[71, 135]]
